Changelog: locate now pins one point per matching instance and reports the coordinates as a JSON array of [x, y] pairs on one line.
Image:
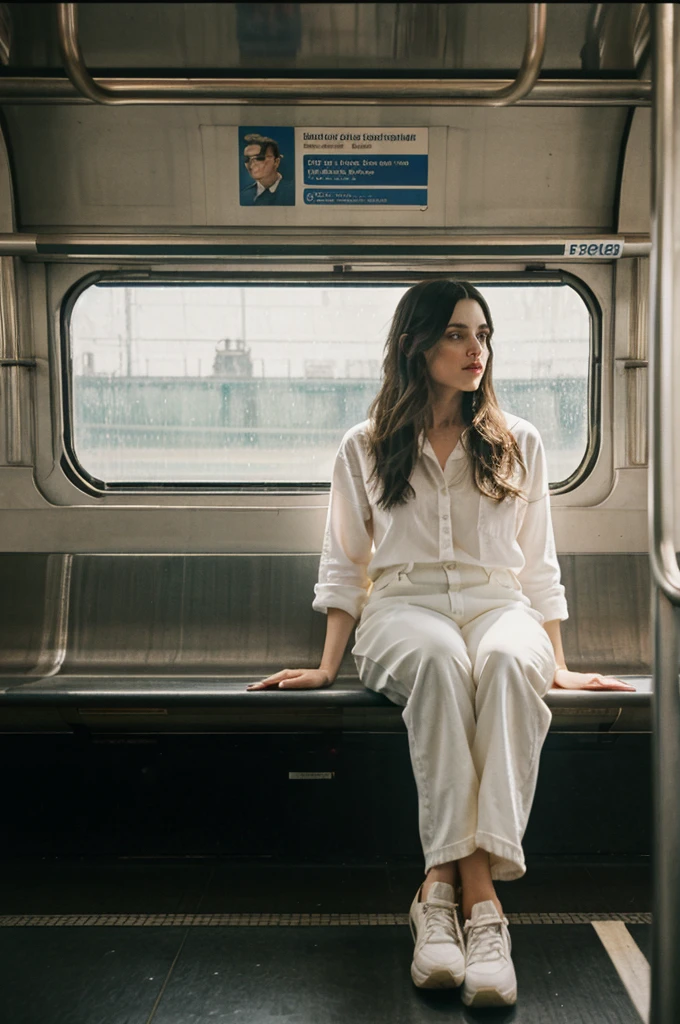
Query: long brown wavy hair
[[403, 406]]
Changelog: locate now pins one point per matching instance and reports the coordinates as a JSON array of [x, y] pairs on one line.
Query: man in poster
[[262, 158]]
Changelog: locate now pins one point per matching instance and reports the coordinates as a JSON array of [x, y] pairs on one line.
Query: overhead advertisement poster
[[381, 167], [267, 166]]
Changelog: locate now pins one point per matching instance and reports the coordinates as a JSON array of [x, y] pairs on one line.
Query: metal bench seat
[[169, 643], [167, 703]]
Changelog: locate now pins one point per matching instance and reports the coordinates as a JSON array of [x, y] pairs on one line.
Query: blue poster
[[379, 167], [267, 166]]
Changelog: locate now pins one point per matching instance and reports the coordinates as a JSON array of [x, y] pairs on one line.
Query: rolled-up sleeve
[[540, 577], [347, 547]]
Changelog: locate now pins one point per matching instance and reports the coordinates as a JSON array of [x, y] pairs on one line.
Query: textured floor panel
[[83, 975], [362, 975], [214, 969], [642, 933]]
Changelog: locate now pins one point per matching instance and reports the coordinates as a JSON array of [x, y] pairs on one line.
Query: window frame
[[340, 275]]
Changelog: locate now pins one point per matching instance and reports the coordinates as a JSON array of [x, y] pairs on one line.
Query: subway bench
[[168, 643], [169, 704]]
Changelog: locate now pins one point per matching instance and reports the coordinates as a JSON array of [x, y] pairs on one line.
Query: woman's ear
[[403, 338]]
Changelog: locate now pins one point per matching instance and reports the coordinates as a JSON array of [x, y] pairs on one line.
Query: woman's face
[[459, 358]]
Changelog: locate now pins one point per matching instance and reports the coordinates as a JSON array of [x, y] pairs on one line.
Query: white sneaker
[[439, 954], [489, 972]]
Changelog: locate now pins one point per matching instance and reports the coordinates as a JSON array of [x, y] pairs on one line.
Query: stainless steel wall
[[520, 169], [202, 615]]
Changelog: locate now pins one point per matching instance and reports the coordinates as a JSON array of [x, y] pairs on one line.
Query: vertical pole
[[665, 1001], [664, 330], [9, 349]]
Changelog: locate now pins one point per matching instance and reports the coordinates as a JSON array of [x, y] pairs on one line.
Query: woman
[[439, 541]]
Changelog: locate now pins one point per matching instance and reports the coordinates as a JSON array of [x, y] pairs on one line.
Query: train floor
[[210, 940]]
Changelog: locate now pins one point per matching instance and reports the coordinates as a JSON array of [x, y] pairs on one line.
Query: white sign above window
[[595, 249]]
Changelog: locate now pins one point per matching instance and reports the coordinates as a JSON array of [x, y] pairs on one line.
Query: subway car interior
[[182, 349]]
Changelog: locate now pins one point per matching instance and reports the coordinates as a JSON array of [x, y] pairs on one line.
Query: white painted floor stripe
[[629, 961]]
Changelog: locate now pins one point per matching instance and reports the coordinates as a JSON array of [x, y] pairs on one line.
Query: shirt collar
[[425, 448], [259, 187]]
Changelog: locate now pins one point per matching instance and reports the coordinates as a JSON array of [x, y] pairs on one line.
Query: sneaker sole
[[440, 977], [437, 977], [489, 997]]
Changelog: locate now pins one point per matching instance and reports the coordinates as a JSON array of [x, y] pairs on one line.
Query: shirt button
[[451, 565], [445, 516]]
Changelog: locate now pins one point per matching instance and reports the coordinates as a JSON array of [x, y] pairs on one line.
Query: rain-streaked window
[[250, 384]]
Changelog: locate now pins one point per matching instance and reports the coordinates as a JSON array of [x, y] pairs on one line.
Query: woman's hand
[[294, 679], [567, 680]]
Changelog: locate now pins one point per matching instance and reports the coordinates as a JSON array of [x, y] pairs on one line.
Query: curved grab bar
[[331, 90], [532, 60], [662, 313]]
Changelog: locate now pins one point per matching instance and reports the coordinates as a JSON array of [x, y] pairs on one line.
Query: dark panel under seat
[[76, 885], [354, 798], [40, 885], [594, 796]]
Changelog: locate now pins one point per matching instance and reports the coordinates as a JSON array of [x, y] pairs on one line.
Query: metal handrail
[[210, 242], [662, 555], [547, 92], [325, 90]]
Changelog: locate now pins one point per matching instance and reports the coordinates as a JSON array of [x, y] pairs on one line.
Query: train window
[[251, 385]]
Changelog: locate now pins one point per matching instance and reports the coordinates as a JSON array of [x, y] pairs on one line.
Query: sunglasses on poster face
[[247, 160]]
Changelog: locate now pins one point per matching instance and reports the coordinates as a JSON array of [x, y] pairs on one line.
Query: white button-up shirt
[[449, 520]]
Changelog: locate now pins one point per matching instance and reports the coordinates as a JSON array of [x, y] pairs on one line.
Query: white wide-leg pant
[[462, 650]]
